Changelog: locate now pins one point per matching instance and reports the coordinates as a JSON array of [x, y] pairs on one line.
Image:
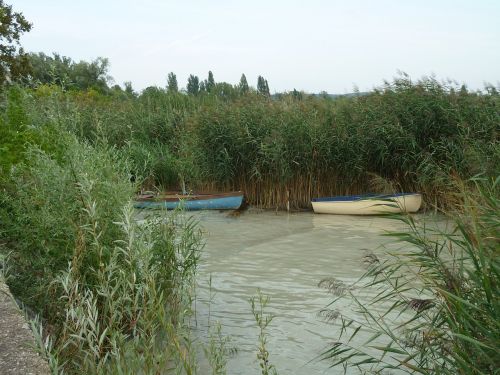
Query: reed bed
[[412, 135], [114, 296], [418, 136]]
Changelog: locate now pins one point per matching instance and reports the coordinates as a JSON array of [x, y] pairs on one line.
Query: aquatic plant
[[217, 350], [417, 135], [435, 306], [262, 319]]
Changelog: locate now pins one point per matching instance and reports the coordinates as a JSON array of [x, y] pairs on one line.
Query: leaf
[[389, 349], [471, 340]]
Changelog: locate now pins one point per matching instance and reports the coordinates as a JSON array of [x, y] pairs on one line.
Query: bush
[[43, 210], [114, 292]]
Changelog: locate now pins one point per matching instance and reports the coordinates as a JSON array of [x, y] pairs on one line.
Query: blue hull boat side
[[219, 203]]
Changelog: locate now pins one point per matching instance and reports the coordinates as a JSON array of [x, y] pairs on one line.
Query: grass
[[417, 135], [114, 296], [435, 306]]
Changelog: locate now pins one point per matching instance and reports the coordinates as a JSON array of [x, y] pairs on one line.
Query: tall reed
[[435, 306], [418, 135]]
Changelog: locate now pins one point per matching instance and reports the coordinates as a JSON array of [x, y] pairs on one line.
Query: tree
[[93, 75], [209, 85], [225, 90], [193, 85], [13, 60], [297, 94], [203, 86], [129, 90], [172, 83], [55, 70], [243, 85], [324, 95], [262, 86], [64, 72]]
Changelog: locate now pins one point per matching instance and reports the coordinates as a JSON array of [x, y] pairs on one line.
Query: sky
[[314, 45]]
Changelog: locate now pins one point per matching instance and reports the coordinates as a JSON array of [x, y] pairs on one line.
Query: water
[[284, 255]]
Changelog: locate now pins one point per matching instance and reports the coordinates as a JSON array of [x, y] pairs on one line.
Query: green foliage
[[225, 91], [258, 304], [140, 298], [129, 89], [133, 318], [217, 350], [210, 84], [108, 287], [435, 308], [42, 214], [17, 132], [13, 60], [418, 136], [152, 163], [297, 94], [193, 85], [13, 132], [172, 86], [69, 75], [262, 86], [243, 85]]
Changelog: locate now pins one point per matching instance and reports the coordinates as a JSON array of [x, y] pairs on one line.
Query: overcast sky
[[309, 45]]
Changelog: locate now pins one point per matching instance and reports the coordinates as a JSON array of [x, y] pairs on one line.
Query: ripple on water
[[285, 255]]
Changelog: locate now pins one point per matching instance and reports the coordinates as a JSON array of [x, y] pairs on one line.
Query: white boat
[[369, 204]]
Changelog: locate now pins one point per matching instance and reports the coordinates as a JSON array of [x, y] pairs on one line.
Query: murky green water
[[285, 255]]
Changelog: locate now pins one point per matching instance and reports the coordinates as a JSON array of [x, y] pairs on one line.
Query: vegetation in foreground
[[114, 295], [436, 307]]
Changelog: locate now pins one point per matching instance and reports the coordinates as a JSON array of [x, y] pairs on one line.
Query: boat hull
[[371, 205], [192, 203]]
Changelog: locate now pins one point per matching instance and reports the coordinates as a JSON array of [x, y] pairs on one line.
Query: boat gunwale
[[176, 197], [361, 197]]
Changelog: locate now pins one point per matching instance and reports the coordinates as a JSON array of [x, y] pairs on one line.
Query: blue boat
[[190, 202]]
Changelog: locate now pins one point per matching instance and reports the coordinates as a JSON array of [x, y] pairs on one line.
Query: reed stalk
[[435, 307]]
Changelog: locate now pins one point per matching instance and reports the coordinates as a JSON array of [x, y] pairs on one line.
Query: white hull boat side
[[372, 206]]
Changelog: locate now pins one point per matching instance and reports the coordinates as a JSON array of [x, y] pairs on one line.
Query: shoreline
[[17, 344]]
